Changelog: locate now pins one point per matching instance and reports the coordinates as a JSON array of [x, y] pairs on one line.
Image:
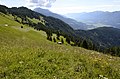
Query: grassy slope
[[26, 54]]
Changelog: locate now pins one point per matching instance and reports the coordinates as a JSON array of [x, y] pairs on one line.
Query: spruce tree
[[68, 40], [84, 44], [58, 35], [54, 39], [62, 40]]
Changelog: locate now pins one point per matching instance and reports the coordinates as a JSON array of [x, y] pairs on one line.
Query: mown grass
[[29, 55]]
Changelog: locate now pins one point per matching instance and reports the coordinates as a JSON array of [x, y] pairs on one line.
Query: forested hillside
[[26, 53], [98, 39]]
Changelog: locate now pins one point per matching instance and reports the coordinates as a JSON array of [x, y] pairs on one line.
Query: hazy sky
[[66, 6]]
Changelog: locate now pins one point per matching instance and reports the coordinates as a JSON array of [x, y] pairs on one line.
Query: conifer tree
[[68, 40], [84, 44], [62, 40], [54, 39]]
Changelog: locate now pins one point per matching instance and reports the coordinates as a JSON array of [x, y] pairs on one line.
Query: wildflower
[[21, 62]]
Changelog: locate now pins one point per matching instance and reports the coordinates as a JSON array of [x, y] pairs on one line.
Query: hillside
[[86, 39], [105, 37], [98, 18], [102, 38], [26, 53], [24, 15], [73, 23]]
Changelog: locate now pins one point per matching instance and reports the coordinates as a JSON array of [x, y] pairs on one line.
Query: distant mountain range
[[98, 18], [73, 23]]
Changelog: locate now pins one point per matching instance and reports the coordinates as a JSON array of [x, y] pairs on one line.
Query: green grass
[[28, 55], [7, 19], [37, 20], [34, 20], [59, 40]]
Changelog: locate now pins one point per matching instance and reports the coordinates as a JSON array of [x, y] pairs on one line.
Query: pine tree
[[84, 44], [90, 46], [58, 35], [79, 44], [68, 40], [58, 38], [54, 39], [62, 40], [50, 38]]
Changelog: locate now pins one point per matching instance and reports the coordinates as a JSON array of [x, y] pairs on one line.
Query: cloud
[[33, 1], [40, 3]]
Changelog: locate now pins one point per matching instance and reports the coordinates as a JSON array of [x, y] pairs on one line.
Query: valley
[[105, 18], [26, 52]]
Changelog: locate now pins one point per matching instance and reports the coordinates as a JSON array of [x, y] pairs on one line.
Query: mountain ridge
[[108, 19], [74, 24], [105, 37]]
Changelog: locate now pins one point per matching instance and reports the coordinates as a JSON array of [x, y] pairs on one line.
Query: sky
[[66, 6]]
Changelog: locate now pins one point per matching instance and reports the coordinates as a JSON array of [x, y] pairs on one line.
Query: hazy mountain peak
[[98, 18], [73, 23], [41, 9]]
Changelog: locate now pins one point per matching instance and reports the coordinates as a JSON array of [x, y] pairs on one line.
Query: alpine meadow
[[34, 45]]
